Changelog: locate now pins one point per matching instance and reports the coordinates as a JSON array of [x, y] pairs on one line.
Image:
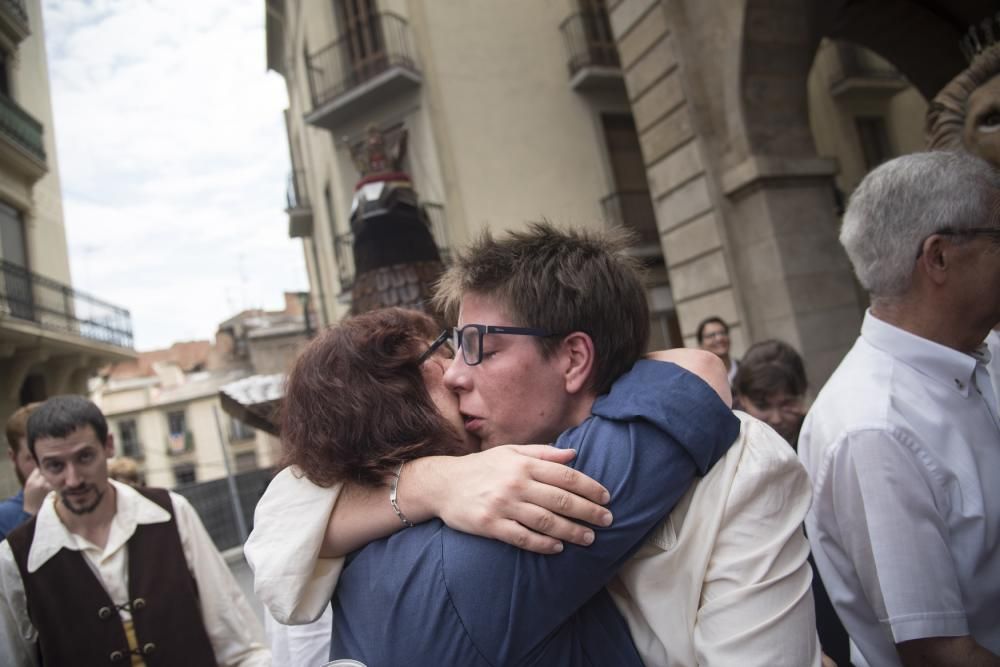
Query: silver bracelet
[[392, 497]]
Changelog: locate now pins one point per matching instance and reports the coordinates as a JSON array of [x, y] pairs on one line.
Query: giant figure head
[[966, 113]]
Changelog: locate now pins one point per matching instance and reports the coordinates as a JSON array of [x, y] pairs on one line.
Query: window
[[874, 140], [4, 73], [362, 39], [246, 461], [128, 439], [240, 431], [179, 440], [184, 474]]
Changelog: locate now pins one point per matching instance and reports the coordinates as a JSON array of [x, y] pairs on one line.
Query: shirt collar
[[132, 509], [939, 362]]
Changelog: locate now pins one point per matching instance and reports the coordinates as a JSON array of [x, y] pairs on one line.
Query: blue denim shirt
[[12, 514], [430, 595]]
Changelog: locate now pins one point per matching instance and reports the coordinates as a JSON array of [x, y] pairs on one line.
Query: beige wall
[[496, 133], [151, 422], [832, 119], [41, 203]]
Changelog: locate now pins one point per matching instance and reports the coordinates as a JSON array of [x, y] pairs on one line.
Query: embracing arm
[[506, 493], [518, 494], [659, 427]]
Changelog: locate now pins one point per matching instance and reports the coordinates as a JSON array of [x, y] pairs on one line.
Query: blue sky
[[173, 159]]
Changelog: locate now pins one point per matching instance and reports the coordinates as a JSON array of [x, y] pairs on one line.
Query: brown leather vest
[[77, 622]]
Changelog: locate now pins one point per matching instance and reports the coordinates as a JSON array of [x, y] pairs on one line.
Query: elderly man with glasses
[[903, 443]]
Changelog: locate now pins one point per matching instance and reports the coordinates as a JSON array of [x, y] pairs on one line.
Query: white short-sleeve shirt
[[903, 449]]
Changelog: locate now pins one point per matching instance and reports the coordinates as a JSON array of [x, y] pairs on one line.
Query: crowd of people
[[530, 487]]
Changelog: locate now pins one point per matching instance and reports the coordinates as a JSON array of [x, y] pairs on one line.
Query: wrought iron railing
[[297, 195], [632, 209], [16, 10], [28, 296], [359, 55], [18, 126], [589, 40]]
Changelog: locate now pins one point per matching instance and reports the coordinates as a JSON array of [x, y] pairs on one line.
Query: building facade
[[726, 135], [164, 407], [52, 337]]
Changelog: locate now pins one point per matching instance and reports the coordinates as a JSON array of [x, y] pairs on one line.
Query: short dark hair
[[61, 415], [767, 368], [560, 281], [356, 405], [17, 426], [714, 319]]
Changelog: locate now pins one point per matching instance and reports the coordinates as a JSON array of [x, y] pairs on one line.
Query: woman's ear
[[578, 351]]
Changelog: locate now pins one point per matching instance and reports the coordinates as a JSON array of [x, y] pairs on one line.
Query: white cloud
[[173, 159]]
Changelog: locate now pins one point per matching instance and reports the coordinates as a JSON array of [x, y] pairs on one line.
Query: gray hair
[[905, 200]]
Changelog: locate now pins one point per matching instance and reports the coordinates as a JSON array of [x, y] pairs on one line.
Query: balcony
[[21, 145], [633, 209], [593, 56], [361, 69], [29, 298], [860, 74], [13, 23], [344, 252], [299, 210]]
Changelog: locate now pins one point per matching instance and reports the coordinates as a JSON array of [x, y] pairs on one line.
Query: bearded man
[[108, 573]]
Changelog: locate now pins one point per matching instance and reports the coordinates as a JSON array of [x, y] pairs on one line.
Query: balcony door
[[597, 31], [15, 287], [363, 41], [634, 206]]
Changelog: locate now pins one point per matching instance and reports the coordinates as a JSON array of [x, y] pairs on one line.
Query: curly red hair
[[356, 406]]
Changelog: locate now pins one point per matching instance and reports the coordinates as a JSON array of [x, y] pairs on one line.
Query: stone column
[[744, 206]]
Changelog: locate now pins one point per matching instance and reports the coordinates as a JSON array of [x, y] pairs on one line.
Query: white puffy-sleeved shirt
[[903, 449], [723, 581], [231, 626]]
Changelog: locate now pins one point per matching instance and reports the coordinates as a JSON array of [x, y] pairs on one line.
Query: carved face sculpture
[[966, 113], [981, 134]]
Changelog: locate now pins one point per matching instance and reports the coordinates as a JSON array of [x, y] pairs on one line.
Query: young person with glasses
[[509, 606]]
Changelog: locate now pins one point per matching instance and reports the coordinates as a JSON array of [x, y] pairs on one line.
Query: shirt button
[[104, 613], [959, 384], [148, 648], [139, 604], [117, 656]]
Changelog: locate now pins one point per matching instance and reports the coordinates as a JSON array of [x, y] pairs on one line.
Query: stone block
[[675, 169], [653, 64], [686, 202], [659, 100], [705, 274], [691, 239], [627, 14], [666, 134], [650, 29]]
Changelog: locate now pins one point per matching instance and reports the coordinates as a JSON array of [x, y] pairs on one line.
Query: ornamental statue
[[966, 113], [396, 259]]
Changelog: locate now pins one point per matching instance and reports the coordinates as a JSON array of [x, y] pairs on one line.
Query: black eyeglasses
[[993, 232], [469, 339], [444, 338]]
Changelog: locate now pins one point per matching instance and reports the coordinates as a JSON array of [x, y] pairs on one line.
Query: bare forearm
[[363, 514], [524, 495], [946, 652]]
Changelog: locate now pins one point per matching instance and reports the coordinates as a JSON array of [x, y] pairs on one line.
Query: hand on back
[[523, 495]]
